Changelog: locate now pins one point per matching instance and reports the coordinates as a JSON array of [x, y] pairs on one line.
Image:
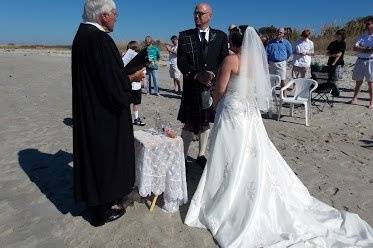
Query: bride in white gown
[[248, 196]]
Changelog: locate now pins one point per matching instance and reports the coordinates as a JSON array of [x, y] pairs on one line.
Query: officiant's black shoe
[[114, 214], [201, 161], [100, 216]]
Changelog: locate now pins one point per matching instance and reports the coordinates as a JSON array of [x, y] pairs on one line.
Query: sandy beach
[[333, 158]]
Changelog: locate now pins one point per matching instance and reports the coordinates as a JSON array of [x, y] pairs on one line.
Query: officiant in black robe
[[103, 142], [200, 50]]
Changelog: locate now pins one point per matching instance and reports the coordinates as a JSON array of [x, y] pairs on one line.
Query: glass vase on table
[[158, 123]]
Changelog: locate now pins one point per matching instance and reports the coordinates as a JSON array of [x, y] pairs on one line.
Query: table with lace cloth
[[160, 168]]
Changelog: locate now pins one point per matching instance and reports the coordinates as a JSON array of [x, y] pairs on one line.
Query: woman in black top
[[335, 51]]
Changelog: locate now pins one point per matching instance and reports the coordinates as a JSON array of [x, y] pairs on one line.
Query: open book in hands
[[140, 61]]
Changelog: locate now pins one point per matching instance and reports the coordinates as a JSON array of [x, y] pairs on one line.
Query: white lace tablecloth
[[160, 168]]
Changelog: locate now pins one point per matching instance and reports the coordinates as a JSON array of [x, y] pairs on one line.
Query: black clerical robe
[[104, 164]]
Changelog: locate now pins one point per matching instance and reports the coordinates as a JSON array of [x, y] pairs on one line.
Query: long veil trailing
[[254, 77]]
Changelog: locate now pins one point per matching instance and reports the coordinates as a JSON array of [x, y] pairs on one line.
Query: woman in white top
[[175, 73], [303, 51], [364, 63]]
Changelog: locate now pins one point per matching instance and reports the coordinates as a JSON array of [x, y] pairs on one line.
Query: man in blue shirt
[[279, 51]]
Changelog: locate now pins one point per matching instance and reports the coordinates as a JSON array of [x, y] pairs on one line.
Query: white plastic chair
[[275, 83], [302, 96]]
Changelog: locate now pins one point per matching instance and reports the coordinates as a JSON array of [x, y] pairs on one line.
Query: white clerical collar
[[96, 25]]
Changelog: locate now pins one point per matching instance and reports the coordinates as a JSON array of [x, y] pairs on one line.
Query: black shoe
[[113, 214], [102, 215], [201, 161], [138, 122]]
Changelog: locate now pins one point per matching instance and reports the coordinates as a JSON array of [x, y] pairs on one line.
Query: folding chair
[[324, 92]]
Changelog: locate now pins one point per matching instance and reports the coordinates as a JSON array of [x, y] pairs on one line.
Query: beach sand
[[333, 158]]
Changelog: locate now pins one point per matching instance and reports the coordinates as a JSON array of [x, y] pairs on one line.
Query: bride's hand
[[205, 77]]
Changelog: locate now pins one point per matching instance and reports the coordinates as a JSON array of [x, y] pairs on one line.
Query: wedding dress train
[[248, 196]]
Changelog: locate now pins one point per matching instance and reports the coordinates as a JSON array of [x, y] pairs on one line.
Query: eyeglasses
[[199, 14]]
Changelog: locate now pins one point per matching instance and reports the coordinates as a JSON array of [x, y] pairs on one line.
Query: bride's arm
[[223, 79]]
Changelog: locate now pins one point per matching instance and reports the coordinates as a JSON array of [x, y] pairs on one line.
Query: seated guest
[[364, 64], [303, 51], [279, 51], [335, 51], [135, 99]]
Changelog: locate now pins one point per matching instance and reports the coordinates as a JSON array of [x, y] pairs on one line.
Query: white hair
[[94, 8]]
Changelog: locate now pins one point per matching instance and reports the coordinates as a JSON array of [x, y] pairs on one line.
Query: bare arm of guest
[[336, 57], [361, 49], [229, 65], [171, 49]]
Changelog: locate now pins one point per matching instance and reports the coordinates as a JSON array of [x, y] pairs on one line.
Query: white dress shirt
[[207, 33], [303, 46]]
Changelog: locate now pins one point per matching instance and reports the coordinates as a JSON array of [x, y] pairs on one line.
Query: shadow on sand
[[54, 177]]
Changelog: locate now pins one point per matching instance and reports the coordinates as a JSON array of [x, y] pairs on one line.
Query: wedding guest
[[336, 50], [279, 51], [152, 67], [101, 114], [132, 50], [303, 51], [198, 65], [175, 73], [364, 64]]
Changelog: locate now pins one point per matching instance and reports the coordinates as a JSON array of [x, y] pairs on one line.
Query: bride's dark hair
[[236, 39]]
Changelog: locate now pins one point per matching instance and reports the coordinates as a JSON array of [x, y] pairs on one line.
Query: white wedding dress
[[248, 196]]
